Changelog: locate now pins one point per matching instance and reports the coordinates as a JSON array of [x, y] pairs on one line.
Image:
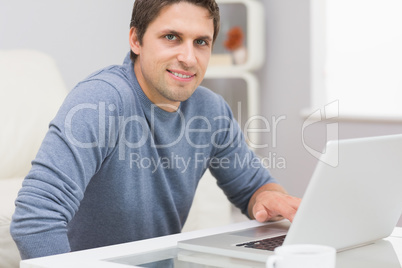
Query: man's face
[[174, 54]]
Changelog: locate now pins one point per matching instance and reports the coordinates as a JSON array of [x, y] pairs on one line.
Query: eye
[[201, 42], [170, 37]]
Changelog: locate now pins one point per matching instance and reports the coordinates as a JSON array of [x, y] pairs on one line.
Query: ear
[[134, 43]]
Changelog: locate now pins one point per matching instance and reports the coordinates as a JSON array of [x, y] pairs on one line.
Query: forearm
[[43, 209], [41, 244]]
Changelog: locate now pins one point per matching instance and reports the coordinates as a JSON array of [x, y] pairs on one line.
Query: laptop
[[353, 204]]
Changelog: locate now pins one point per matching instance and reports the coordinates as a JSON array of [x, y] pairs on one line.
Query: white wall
[[286, 84], [82, 36]]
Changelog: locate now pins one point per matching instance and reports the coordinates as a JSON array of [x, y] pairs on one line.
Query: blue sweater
[[115, 168]]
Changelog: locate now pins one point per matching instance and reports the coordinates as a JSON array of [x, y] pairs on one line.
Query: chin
[[181, 97]]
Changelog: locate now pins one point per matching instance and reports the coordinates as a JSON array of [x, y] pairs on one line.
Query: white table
[[384, 253]]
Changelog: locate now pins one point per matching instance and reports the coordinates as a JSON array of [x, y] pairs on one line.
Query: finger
[[295, 202], [277, 218], [289, 213], [264, 209], [259, 212], [272, 204], [287, 207], [261, 215]]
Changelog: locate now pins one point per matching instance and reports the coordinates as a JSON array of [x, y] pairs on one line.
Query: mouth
[[183, 75]]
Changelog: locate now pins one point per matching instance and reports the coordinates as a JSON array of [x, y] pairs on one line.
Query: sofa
[[31, 91]]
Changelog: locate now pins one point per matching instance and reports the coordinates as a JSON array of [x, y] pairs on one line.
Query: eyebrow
[[202, 37]]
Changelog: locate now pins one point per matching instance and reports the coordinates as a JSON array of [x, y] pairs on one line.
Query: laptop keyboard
[[265, 244]]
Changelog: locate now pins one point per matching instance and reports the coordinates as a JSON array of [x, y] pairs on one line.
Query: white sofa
[[31, 91]]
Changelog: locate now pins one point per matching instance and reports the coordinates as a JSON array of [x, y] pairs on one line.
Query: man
[[123, 157]]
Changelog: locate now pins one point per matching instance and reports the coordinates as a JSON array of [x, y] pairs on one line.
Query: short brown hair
[[145, 11]]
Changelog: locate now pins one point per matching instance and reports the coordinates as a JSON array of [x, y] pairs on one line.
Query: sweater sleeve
[[71, 153], [238, 170]]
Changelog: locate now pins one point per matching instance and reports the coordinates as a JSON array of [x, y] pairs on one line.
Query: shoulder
[[110, 86], [112, 80]]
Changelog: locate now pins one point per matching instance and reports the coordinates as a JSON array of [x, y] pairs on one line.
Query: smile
[[180, 75]]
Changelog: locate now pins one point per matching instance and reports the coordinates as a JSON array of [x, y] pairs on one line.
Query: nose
[[187, 55]]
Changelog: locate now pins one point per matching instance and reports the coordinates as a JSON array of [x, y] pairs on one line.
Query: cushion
[[9, 255], [31, 91]]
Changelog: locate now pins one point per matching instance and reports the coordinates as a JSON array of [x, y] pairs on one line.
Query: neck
[[153, 96]]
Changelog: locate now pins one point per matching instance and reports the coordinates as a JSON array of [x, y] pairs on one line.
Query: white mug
[[302, 256]]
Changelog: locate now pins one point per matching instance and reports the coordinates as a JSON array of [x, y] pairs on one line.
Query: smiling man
[[173, 53], [123, 157]]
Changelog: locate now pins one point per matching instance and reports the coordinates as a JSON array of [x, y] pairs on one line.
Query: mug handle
[[271, 262]]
